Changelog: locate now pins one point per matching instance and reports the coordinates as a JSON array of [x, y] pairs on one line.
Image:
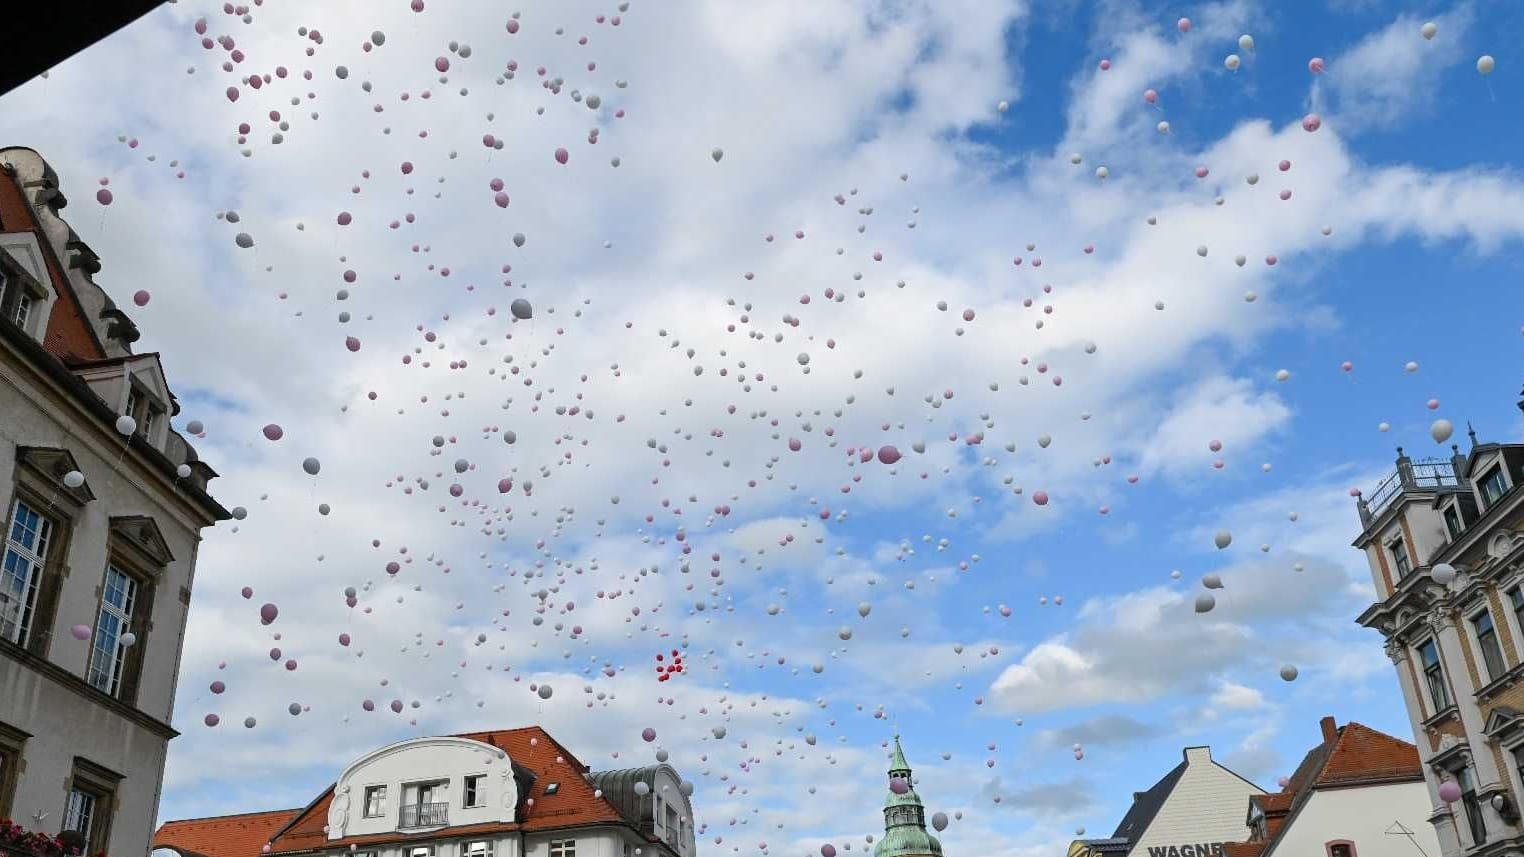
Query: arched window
[[1340, 848]]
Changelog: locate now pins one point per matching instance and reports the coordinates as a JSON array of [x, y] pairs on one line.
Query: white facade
[[1360, 817], [84, 724], [1205, 808], [422, 784]]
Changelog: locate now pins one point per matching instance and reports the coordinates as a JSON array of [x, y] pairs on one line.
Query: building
[[1443, 540], [1359, 792], [102, 504], [508, 793], [904, 816], [1192, 812]]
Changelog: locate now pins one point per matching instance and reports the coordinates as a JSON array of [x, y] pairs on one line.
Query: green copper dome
[[904, 817]]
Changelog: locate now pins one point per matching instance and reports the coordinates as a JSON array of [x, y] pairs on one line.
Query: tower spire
[[904, 816]]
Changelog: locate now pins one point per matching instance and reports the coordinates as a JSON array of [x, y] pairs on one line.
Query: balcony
[[425, 815], [1424, 474]]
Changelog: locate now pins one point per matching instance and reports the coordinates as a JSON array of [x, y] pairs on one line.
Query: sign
[[1199, 849]]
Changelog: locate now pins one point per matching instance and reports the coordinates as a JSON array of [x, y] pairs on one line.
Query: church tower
[[904, 817]]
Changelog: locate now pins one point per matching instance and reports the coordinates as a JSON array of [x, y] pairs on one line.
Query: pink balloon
[[232, 93], [351, 343], [1449, 791], [1183, 25], [407, 167], [562, 156], [1040, 498], [1315, 65], [103, 196], [1151, 96], [141, 297], [1347, 366], [267, 613], [247, 592], [417, 5], [80, 632], [274, 432], [1201, 172], [888, 455], [501, 198], [1105, 65], [1311, 122], [343, 639], [211, 720], [648, 734], [218, 687], [513, 26], [345, 218], [442, 65]]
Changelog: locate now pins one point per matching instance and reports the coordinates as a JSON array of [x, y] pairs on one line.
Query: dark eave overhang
[[38, 36]]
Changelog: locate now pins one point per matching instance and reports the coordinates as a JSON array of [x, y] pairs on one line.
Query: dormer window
[[1453, 523], [145, 411], [19, 301], [1493, 486]]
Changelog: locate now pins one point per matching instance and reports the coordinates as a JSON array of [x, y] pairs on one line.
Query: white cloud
[[1392, 74], [1236, 697]]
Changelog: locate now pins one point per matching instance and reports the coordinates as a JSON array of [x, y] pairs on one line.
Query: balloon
[[1429, 30], [1183, 25], [1443, 573], [562, 156], [73, 479], [642, 788], [80, 632], [1312, 122], [1222, 539], [939, 821], [211, 720], [545, 691], [103, 196], [828, 850], [717, 154], [888, 455], [1246, 42], [1205, 602], [521, 309], [1449, 791], [442, 65], [1040, 498], [648, 734], [126, 425], [273, 432], [1288, 673], [244, 240], [1441, 430], [1211, 581], [898, 785], [311, 466], [1315, 65], [1485, 64], [267, 613], [1102, 172], [1232, 62], [1151, 96]]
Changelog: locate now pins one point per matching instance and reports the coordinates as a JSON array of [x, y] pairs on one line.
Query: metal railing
[[425, 815], [1410, 475]]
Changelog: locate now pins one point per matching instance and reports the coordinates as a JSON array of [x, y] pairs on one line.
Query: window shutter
[[43, 614], [132, 670]]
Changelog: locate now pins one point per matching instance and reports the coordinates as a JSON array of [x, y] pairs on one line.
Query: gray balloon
[[939, 821], [378, 38], [462, 465], [510, 437], [519, 239], [521, 309], [312, 466], [244, 240], [1211, 581], [1205, 602]]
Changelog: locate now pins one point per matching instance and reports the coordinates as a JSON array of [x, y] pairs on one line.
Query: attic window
[[18, 301], [552, 788]]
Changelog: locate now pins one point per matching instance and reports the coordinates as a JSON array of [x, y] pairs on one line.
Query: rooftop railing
[[1423, 474]]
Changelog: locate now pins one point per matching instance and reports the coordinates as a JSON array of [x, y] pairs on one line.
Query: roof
[[1146, 805], [223, 834], [1350, 756], [575, 803]]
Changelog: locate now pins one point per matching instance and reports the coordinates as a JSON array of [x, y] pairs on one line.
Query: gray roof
[[618, 788]]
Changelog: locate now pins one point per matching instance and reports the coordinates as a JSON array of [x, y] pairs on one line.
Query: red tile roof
[[224, 835], [573, 805], [1351, 755], [69, 336]]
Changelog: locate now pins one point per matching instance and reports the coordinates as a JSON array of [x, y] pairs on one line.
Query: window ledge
[[1441, 716], [1506, 680], [73, 682]]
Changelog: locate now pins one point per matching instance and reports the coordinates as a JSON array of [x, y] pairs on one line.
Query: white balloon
[[1246, 42], [1429, 30], [1101, 172], [1231, 62], [1443, 573], [1441, 430], [126, 425], [1205, 602], [74, 479], [1288, 673], [1163, 127], [1485, 64], [1222, 539]]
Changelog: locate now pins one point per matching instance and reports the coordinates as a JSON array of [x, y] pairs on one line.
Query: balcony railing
[[1410, 475], [425, 815]]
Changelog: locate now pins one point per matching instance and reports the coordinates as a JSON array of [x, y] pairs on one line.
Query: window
[[1518, 760], [1453, 522], [478, 848], [421, 851], [87, 809], [1400, 557], [375, 801], [1341, 849], [1434, 676], [552, 788], [674, 828], [1493, 486], [16, 301], [1487, 641], [145, 425], [108, 654], [563, 848], [473, 794], [26, 551], [1472, 808], [11, 742]]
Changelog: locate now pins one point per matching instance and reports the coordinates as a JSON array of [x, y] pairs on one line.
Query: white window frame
[[468, 848], [13, 552], [80, 803], [429, 850], [108, 676], [1512, 618], [479, 792], [563, 848]]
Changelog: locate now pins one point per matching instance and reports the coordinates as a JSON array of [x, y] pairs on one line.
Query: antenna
[[1399, 829]]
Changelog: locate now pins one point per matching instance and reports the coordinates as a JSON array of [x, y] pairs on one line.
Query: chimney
[[1330, 730]]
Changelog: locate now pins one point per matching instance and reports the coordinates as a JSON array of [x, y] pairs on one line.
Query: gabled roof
[[223, 834], [1146, 805], [538, 757], [1351, 756]]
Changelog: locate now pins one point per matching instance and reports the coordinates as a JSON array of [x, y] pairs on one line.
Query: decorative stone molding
[[1396, 651], [1439, 619], [338, 812]]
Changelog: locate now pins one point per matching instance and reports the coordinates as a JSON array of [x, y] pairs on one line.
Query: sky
[[818, 222]]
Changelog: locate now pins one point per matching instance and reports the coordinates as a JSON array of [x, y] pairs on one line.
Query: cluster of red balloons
[[665, 671]]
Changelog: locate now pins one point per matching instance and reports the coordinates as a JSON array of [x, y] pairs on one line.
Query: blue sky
[[1413, 169]]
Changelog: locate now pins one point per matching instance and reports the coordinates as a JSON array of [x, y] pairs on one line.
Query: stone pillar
[[1440, 818], [1449, 838]]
